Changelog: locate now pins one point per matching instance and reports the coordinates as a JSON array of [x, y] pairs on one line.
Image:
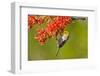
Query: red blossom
[[39, 20], [58, 25], [53, 28], [41, 36], [31, 21]]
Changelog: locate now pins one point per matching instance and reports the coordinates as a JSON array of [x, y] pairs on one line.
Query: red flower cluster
[[53, 28], [58, 25], [39, 20], [41, 36], [33, 20]]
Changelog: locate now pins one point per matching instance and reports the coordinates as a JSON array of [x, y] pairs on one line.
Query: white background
[[5, 42]]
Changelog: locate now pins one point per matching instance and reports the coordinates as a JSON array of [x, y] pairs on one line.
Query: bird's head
[[66, 33]]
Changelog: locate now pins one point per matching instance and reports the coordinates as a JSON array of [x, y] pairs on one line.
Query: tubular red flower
[[53, 28], [39, 20], [31, 21], [41, 36], [58, 25]]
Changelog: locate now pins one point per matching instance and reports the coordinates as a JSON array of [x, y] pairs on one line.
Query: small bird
[[62, 40]]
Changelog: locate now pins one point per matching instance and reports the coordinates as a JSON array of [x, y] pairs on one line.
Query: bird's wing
[[61, 42]]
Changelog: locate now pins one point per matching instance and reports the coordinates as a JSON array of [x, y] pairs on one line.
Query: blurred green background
[[75, 47]]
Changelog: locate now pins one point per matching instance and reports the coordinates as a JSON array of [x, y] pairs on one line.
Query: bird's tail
[[57, 51]]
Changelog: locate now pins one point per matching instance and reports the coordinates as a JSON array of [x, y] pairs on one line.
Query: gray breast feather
[[61, 42]]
